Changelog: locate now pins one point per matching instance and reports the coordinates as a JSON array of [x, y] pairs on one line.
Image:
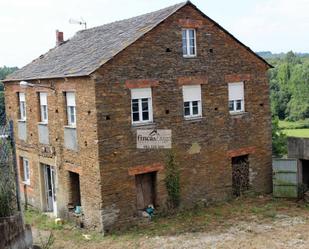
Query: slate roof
[[89, 49]]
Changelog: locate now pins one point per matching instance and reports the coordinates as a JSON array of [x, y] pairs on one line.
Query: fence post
[[11, 137]]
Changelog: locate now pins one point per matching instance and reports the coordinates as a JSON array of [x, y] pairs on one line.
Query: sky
[[27, 27]]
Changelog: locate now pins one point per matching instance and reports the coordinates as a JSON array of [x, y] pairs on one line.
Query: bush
[[279, 139], [172, 181]]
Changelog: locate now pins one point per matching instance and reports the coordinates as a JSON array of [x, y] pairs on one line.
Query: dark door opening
[[74, 189], [145, 190], [240, 174], [305, 171]]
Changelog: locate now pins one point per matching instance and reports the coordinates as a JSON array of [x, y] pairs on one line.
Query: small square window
[[192, 101], [236, 97], [141, 105]]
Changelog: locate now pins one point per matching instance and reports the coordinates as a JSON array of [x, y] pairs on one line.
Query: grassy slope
[[295, 129]]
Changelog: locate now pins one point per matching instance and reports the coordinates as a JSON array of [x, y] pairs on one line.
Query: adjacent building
[[78, 108]]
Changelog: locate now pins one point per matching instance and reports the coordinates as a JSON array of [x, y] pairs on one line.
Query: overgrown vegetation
[[289, 82], [289, 88], [4, 71], [279, 139], [172, 181]]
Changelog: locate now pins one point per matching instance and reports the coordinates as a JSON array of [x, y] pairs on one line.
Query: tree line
[[289, 86], [4, 71]]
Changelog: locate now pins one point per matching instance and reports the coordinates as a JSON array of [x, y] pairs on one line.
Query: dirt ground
[[251, 222]]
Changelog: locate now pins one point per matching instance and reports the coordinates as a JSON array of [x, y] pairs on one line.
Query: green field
[[295, 129], [296, 132]]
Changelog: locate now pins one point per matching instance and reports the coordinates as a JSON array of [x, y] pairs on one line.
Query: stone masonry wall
[[203, 147], [84, 161]]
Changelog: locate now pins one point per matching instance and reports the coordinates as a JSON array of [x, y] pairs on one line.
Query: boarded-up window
[[145, 190]]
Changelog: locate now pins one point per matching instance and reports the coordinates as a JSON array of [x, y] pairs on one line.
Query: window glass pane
[[184, 42], [186, 108], [145, 104], [192, 42], [43, 113], [145, 116], [22, 110], [72, 114], [238, 105], [191, 34], [192, 50], [195, 107], [231, 105], [135, 116], [134, 105]]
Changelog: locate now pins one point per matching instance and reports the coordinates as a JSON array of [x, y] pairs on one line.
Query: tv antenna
[[80, 21]]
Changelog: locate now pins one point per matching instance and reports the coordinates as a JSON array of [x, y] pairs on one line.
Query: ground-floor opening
[[305, 173], [240, 174], [74, 191], [145, 190], [49, 188]]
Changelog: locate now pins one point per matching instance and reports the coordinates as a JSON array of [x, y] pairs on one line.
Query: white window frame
[[192, 93], [71, 108], [236, 96], [139, 94], [43, 107], [22, 106], [26, 169], [187, 40]]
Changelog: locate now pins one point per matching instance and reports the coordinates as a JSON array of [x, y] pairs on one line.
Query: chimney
[[59, 37]]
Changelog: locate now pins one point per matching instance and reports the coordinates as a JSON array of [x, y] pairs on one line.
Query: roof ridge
[[180, 4]]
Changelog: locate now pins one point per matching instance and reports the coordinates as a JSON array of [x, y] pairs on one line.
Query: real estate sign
[[154, 139]]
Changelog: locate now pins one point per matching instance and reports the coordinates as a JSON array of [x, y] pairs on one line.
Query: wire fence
[[9, 200]]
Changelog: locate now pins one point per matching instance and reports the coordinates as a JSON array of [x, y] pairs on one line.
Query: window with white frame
[[26, 170], [236, 97], [71, 108], [22, 106], [189, 42], [43, 107], [192, 104], [141, 105]]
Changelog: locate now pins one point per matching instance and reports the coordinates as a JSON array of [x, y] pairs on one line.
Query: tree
[[289, 86], [4, 71], [279, 139]]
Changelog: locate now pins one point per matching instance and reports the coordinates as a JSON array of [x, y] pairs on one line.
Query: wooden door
[[145, 190]]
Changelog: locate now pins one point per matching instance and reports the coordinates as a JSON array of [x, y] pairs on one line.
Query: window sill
[[42, 123], [236, 114], [21, 120], [26, 183], [189, 56], [143, 124], [193, 118], [70, 127]]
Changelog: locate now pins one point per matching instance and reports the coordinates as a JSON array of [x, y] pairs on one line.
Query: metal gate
[[285, 178]]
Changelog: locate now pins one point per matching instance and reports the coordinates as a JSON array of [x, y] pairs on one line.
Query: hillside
[[289, 84]]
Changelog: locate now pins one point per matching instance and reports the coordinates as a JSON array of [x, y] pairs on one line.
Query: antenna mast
[[81, 21]]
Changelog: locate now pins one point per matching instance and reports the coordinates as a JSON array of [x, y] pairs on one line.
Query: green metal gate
[[285, 178]]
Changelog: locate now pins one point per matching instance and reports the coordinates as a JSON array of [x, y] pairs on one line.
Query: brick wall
[[205, 171], [84, 161]]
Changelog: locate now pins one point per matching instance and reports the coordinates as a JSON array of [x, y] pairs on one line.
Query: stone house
[[78, 108]]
